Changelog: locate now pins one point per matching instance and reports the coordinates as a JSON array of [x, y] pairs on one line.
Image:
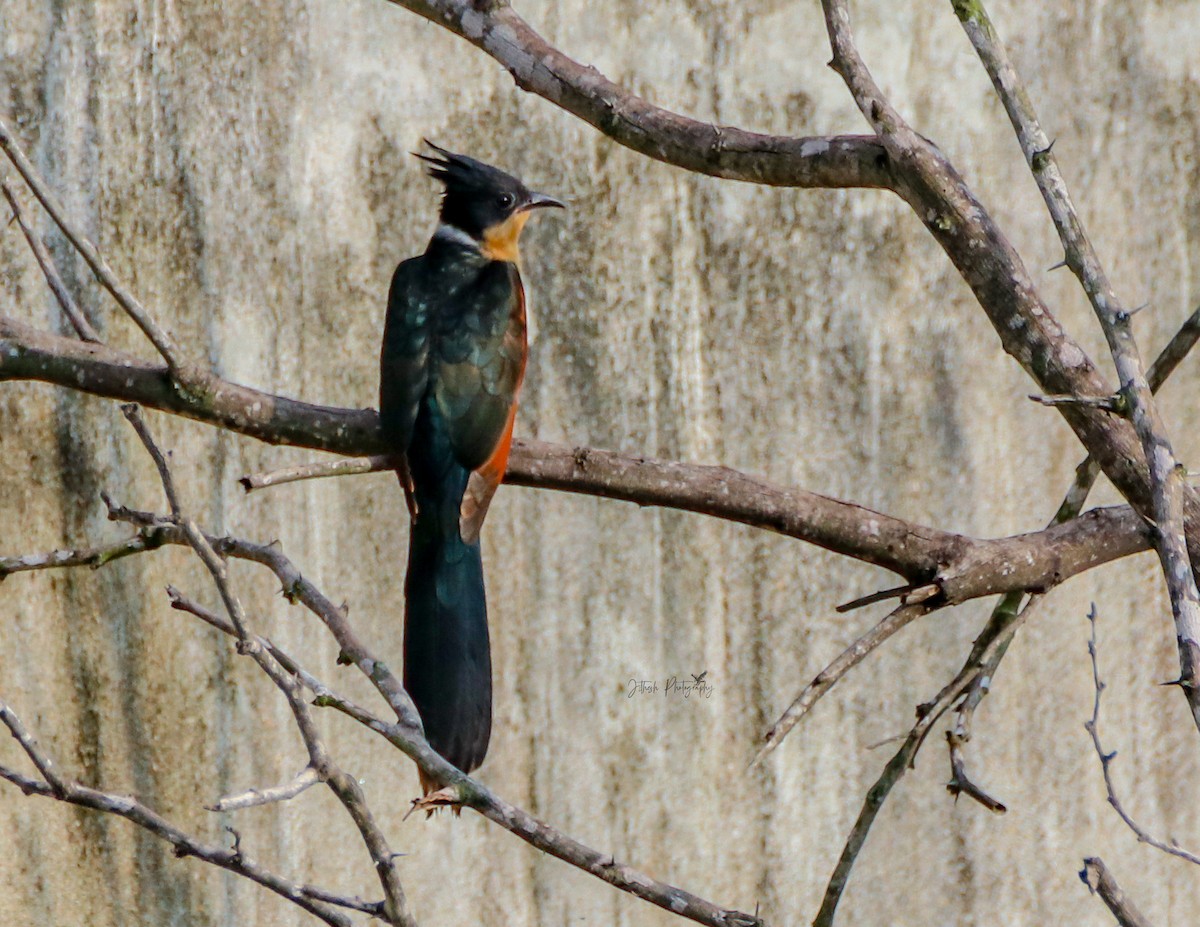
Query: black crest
[[463, 176]]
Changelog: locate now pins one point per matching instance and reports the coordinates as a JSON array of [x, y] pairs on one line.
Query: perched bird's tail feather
[[447, 658]]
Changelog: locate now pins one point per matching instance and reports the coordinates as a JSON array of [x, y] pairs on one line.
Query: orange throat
[[500, 241]]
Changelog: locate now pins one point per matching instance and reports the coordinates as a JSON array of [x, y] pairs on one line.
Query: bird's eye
[[504, 200]]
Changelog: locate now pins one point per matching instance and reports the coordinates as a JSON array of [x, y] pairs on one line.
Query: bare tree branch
[[94, 557], [345, 787], [1175, 351], [927, 715], [1092, 725], [993, 269], [908, 163], [1002, 625], [27, 354], [32, 749], [995, 272], [954, 567], [1099, 880], [1073, 501], [962, 567], [1167, 485], [720, 151], [831, 674], [407, 737], [182, 603], [960, 782], [1114, 404], [185, 845]]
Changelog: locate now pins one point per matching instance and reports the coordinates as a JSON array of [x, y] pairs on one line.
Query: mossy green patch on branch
[[969, 10]]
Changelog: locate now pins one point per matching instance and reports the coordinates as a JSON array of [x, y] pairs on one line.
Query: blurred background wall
[[245, 168]]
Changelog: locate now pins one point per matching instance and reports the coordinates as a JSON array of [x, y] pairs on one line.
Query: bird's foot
[[435, 801]]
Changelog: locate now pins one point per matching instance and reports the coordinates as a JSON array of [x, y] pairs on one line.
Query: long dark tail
[[447, 658]]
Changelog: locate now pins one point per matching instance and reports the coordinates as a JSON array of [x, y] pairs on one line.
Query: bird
[[451, 366]]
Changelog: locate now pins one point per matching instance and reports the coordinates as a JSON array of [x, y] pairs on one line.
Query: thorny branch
[[470, 793], [1167, 486], [1085, 478], [409, 739], [927, 716], [1092, 726]]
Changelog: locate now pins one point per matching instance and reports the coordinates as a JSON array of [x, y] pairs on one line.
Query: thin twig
[[1113, 404], [185, 845], [829, 676], [147, 538], [182, 603], [317, 470], [927, 715], [32, 749], [1092, 726], [54, 280], [252, 798], [960, 781], [1176, 350], [161, 340], [1099, 880], [1002, 628]]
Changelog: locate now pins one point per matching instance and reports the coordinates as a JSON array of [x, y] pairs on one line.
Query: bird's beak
[[542, 201]]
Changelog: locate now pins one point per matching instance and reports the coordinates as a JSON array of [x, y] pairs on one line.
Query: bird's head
[[483, 203]]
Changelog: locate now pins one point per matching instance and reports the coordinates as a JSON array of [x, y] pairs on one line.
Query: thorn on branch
[[237, 842], [1116, 404], [960, 783], [1041, 158], [1099, 880], [1092, 726], [872, 598]]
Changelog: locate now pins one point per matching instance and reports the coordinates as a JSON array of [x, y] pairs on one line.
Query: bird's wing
[[404, 358], [480, 365]]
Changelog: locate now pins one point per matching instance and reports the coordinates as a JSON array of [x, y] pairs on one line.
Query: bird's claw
[[430, 802]]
